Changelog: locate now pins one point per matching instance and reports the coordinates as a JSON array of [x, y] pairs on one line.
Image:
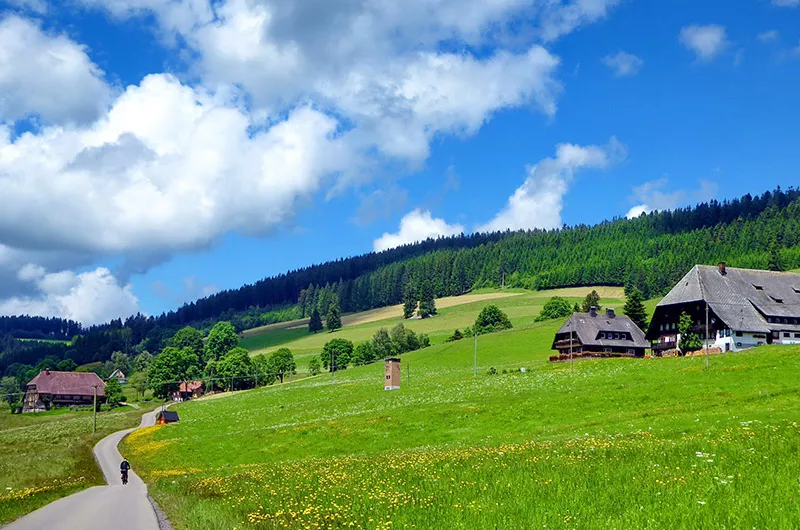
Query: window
[[738, 333], [606, 350], [797, 335], [631, 350], [388, 377], [602, 335], [786, 335]]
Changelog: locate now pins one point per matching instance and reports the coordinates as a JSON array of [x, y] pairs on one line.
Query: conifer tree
[[427, 305], [315, 323], [634, 308], [774, 254], [333, 321], [409, 301]]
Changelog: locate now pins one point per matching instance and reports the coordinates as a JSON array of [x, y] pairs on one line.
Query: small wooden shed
[[166, 416], [391, 373]]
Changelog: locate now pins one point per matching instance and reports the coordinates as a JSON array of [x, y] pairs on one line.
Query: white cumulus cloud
[[623, 64], [90, 297], [705, 41], [47, 75], [658, 195], [417, 225], [538, 202]]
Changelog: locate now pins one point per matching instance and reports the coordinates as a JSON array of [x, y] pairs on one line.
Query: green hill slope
[[614, 443], [521, 306]]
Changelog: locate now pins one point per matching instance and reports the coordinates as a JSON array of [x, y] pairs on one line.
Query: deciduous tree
[[491, 319], [336, 354], [556, 307], [592, 300], [281, 363], [221, 339]]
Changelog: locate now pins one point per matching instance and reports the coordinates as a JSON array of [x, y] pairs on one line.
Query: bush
[[457, 335], [492, 371], [491, 319], [556, 307]]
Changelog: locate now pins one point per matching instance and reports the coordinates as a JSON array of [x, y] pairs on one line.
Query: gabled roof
[[587, 328], [117, 373], [740, 297], [68, 383], [190, 386], [169, 415]]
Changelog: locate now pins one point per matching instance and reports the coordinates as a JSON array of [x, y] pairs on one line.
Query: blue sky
[[157, 151]]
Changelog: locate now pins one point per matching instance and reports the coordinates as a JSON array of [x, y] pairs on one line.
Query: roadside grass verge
[[47, 456]]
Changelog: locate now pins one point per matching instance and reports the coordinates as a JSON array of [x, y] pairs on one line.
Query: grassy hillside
[[48, 455], [454, 312], [645, 443]]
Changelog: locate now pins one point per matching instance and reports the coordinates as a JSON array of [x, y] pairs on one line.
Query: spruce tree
[[592, 299], [409, 301], [315, 323], [774, 254], [333, 321], [634, 308], [427, 306]]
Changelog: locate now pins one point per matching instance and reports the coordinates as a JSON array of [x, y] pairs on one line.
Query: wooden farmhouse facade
[[743, 308], [595, 334], [51, 388]]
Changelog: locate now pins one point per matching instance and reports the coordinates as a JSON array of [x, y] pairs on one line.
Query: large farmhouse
[[596, 334], [62, 388], [745, 308]]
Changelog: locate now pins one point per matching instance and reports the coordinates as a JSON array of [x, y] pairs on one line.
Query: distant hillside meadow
[[650, 252]]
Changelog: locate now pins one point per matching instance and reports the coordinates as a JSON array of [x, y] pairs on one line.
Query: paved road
[[114, 507]]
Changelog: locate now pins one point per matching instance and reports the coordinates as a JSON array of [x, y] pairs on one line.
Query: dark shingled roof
[[169, 415], [587, 328], [68, 383], [741, 298]]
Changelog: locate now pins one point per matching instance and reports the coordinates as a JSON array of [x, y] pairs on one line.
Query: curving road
[[100, 507]]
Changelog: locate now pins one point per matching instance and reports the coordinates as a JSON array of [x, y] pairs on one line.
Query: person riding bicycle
[[124, 467]]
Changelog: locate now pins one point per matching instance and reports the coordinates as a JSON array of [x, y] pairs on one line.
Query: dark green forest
[[650, 252]]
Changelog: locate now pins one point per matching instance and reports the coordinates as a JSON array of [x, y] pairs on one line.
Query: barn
[[51, 388]]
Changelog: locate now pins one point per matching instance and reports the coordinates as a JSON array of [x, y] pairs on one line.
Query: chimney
[[610, 312], [593, 311], [47, 372], [722, 270]]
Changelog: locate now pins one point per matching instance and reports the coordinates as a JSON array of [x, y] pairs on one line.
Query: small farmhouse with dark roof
[[596, 334], [166, 416], [51, 388], [746, 308]]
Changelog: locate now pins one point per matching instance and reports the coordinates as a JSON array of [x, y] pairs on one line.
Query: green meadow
[[48, 455], [642, 443], [521, 306]]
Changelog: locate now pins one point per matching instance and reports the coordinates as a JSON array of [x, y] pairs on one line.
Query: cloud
[[786, 3], [47, 75], [36, 6], [769, 36], [417, 225], [90, 297], [169, 168], [538, 202], [653, 196], [560, 19], [705, 41], [623, 64]]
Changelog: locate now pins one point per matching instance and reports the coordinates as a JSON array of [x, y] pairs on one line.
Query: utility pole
[[706, 334], [333, 369], [94, 427], [408, 373], [570, 342], [475, 344]]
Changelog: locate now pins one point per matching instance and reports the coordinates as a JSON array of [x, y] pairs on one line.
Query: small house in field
[[596, 334], [166, 416], [51, 388], [188, 390], [119, 376], [739, 308], [391, 370]]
